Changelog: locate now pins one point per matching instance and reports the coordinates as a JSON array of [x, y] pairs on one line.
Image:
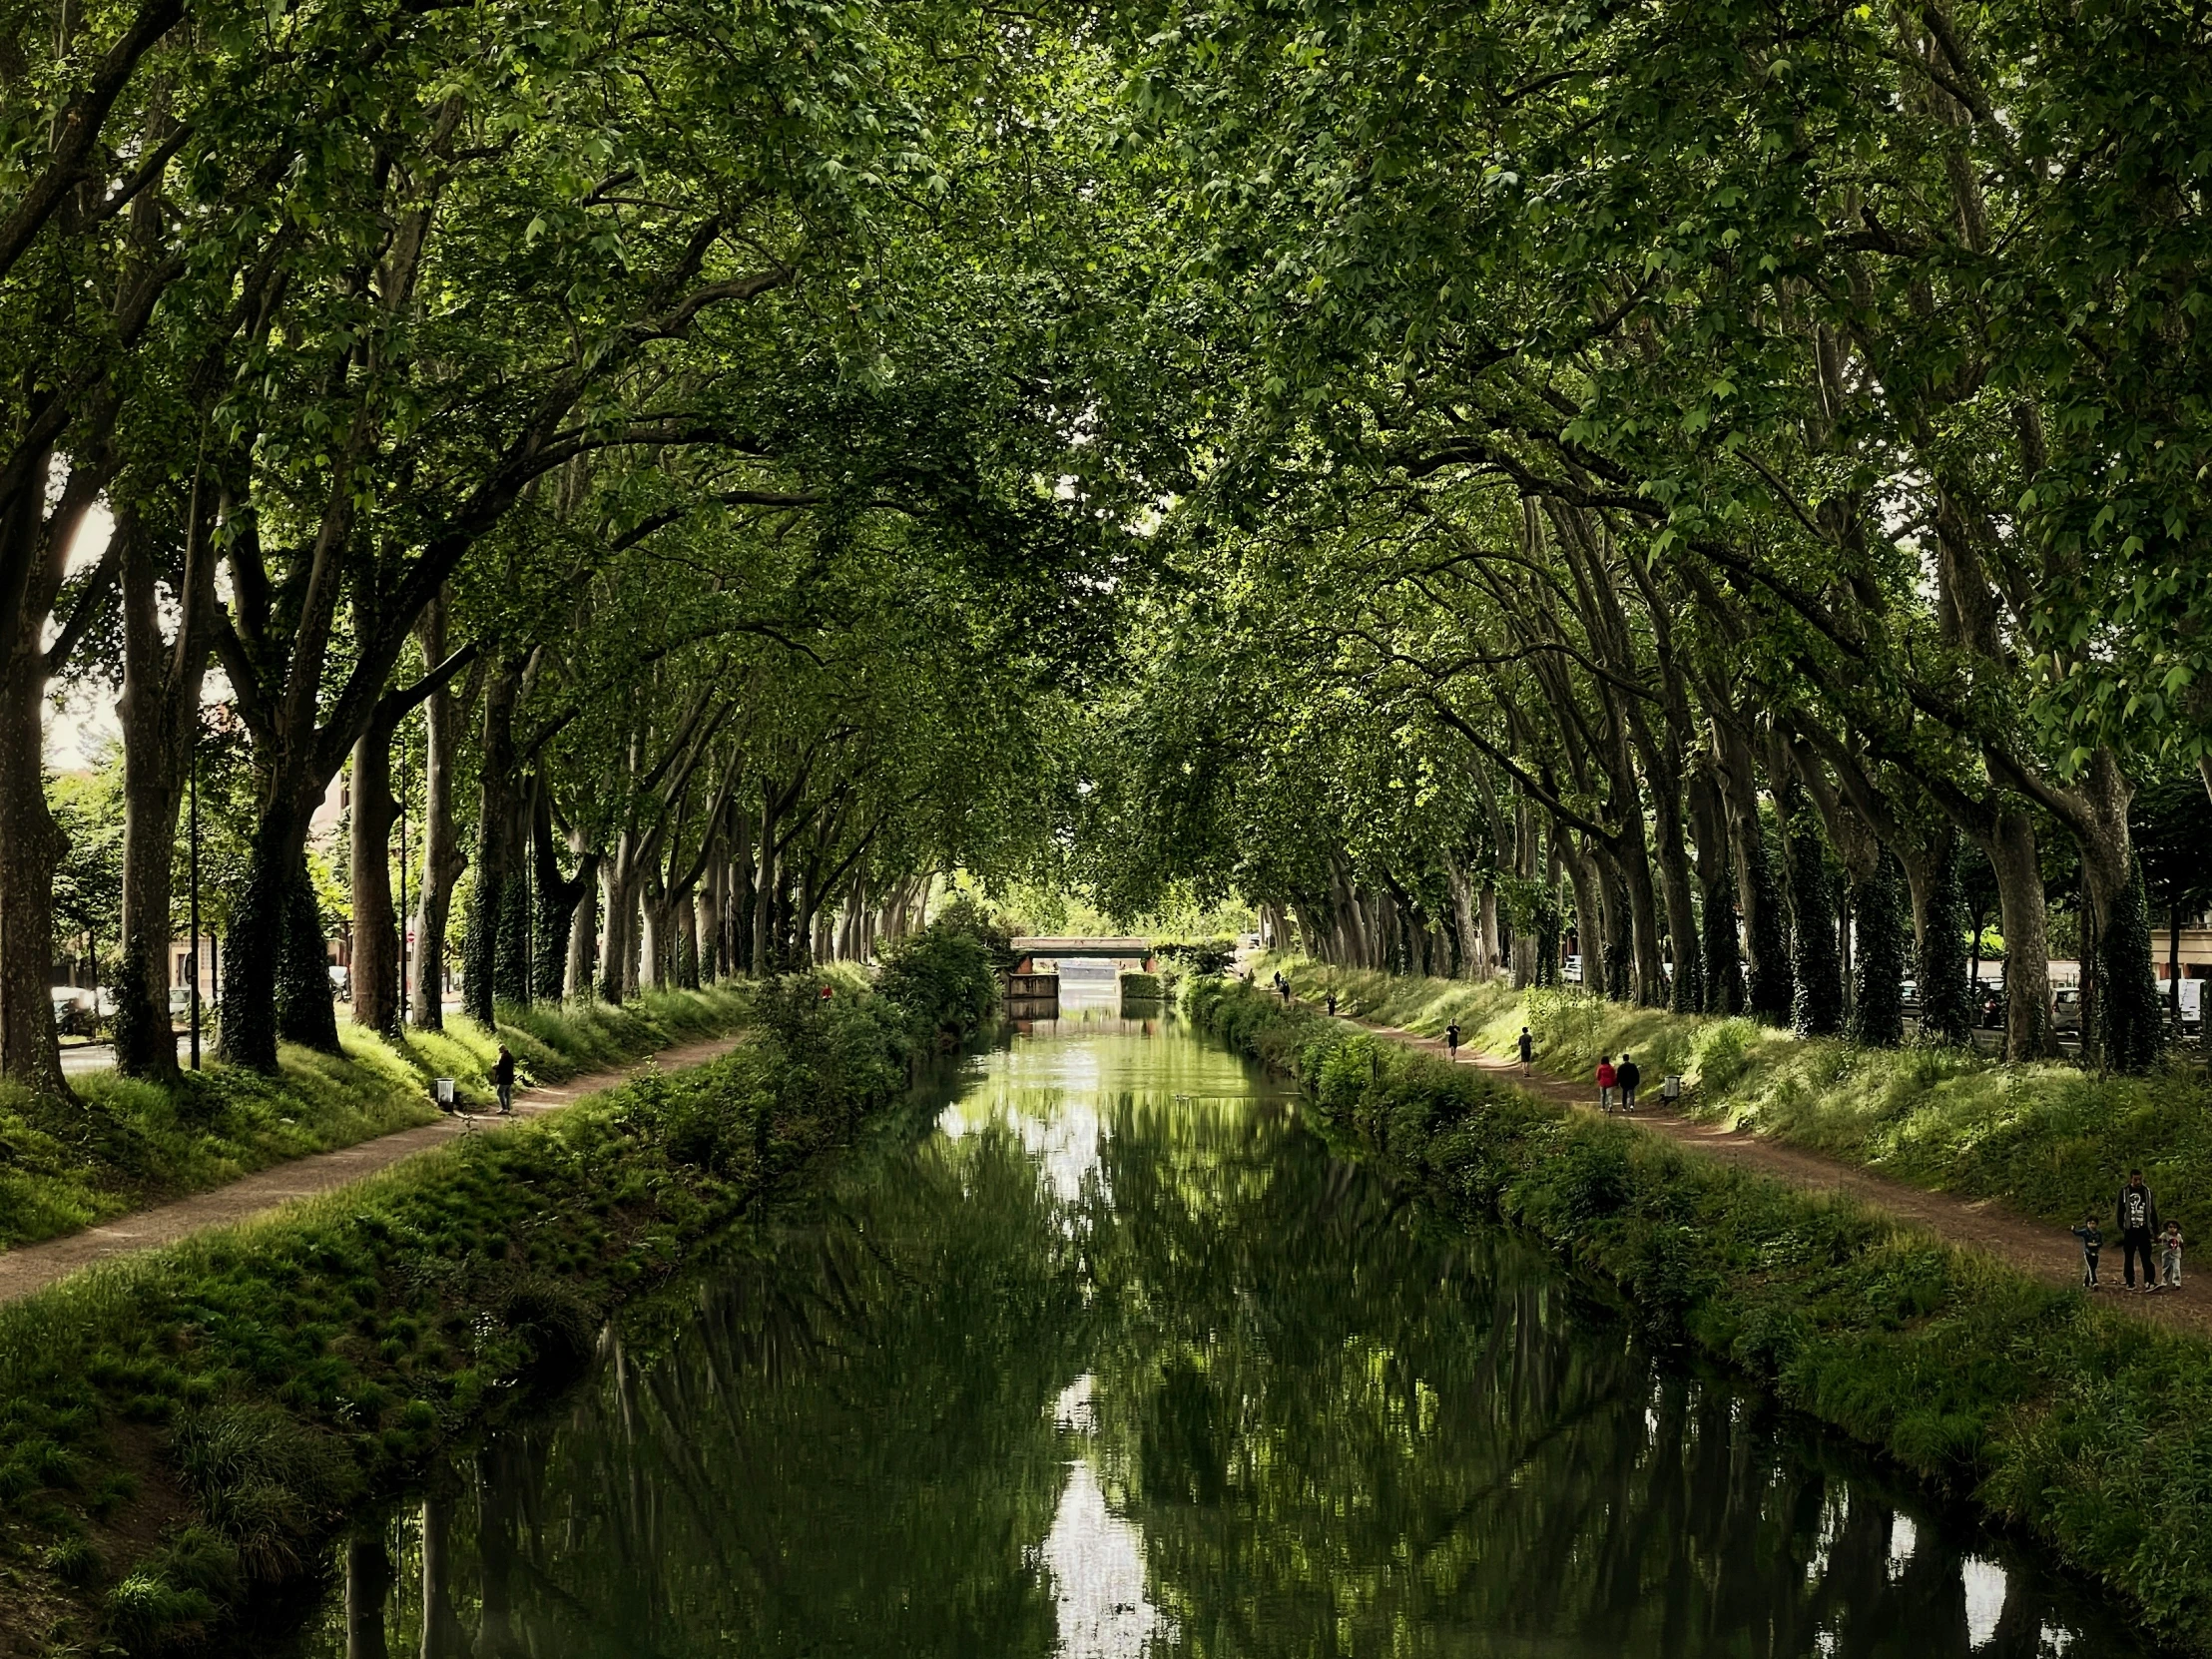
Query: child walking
[[2170, 1250], [2092, 1239]]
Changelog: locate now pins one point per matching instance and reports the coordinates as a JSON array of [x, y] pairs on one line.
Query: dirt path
[[2035, 1248], [31, 1268]]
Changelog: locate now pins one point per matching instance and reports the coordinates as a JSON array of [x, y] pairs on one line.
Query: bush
[[944, 980], [2055, 1415], [126, 1144], [307, 1360]]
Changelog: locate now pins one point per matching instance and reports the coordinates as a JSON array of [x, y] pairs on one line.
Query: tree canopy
[[1693, 484]]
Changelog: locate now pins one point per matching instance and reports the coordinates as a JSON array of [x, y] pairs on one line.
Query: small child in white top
[[2171, 1247]]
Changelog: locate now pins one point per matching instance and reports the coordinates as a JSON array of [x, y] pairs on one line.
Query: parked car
[[342, 983], [1990, 1004], [1909, 992], [2066, 1009], [73, 1012], [1572, 972]]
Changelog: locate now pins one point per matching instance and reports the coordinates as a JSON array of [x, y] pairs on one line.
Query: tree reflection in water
[[1123, 1360]]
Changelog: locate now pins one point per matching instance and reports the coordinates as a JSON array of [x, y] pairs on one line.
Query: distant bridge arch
[[1053, 948]]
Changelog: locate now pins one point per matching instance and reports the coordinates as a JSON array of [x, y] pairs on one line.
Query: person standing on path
[[2138, 1223], [503, 1078], [2092, 1240], [1332, 1004], [1527, 1051], [1451, 1041], [2169, 1266], [1628, 1075], [1605, 1077]]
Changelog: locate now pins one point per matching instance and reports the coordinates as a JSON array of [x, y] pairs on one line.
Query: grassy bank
[[127, 1144], [2074, 1423], [182, 1429], [2049, 1140]]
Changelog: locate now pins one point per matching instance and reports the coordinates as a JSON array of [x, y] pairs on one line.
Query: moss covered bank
[[2067, 1420], [183, 1430]]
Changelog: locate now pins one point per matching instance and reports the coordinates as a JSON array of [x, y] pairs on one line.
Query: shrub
[[2057, 1415]]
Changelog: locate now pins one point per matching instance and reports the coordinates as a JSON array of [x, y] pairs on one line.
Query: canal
[[1121, 1359]]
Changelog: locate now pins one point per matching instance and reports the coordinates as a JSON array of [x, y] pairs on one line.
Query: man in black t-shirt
[[2138, 1223]]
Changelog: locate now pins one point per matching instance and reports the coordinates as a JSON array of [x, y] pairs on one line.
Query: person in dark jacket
[[1628, 1074], [2092, 1240], [1527, 1051], [2138, 1223], [1452, 1039], [503, 1078]]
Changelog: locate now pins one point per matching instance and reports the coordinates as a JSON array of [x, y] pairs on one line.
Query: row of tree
[[1730, 463], [626, 421]]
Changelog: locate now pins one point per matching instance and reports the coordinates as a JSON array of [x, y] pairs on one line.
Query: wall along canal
[[1121, 1360]]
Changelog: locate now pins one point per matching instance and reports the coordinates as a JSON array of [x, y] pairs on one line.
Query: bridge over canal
[[1044, 948]]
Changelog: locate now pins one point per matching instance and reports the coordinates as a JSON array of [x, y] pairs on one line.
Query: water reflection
[[1122, 1362]]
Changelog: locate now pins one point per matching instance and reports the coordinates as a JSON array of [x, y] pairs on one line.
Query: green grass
[[129, 1144], [179, 1427], [2049, 1139], [2050, 1411]]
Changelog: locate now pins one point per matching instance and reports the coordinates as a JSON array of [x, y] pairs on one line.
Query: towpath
[[31, 1268], [2035, 1248]]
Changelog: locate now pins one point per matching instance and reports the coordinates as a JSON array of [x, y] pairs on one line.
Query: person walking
[[2138, 1223], [1332, 1004], [2092, 1240], [503, 1078], [1451, 1041], [1527, 1052], [1628, 1074], [1605, 1079], [2169, 1252]]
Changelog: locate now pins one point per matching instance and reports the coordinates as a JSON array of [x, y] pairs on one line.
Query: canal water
[[1120, 1361]]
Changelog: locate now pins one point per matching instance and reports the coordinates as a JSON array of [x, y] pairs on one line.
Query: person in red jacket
[[1605, 1080]]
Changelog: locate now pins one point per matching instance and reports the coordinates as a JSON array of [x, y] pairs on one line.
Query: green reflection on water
[[1121, 1359]]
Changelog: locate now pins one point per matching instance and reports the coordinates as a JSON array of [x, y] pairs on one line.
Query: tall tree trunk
[[1885, 939], [1769, 990], [553, 931], [489, 906], [764, 892], [375, 926], [2129, 1028], [1589, 924], [1816, 966], [159, 713], [2010, 845], [442, 860], [279, 986], [1716, 876], [31, 848], [1940, 968], [578, 982], [1686, 992], [368, 1584], [618, 885]]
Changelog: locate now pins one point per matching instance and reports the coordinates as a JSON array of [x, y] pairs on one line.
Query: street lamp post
[[402, 879], [194, 835]]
